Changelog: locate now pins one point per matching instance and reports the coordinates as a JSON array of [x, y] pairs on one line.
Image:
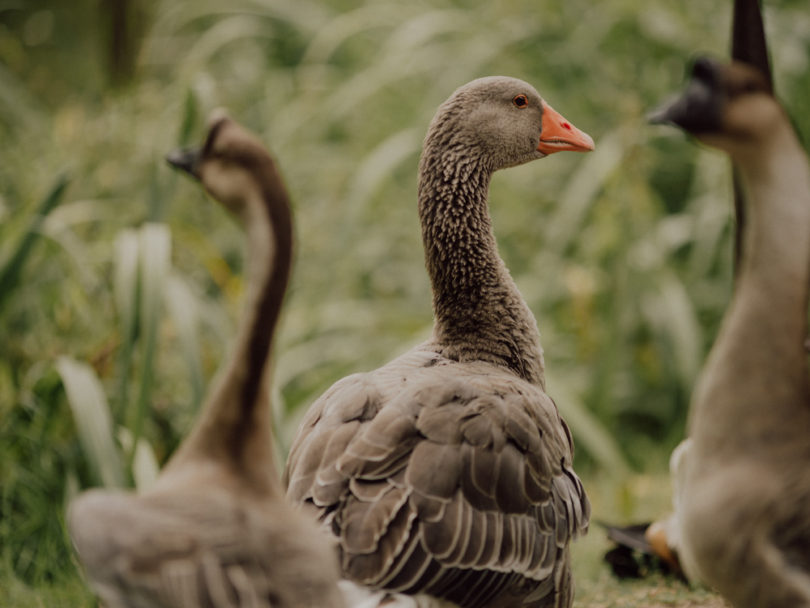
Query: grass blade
[[671, 311], [376, 168], [10, 273], [183, 308], [589, 433], [125, 288], [145, 468], [93, 420], [154, 253], [581, 192]]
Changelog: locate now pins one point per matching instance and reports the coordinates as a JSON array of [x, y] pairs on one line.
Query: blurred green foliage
[[623, 254]]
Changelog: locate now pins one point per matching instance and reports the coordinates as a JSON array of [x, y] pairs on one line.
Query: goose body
[[215, 529], [448, 471], [746, 501]]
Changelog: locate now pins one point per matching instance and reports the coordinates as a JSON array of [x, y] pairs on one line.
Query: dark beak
[[697, 109], [667, 112], [185, 159]]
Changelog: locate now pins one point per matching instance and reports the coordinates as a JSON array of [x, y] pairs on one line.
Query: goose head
[[502, 122], [227, 163], [726, 105]]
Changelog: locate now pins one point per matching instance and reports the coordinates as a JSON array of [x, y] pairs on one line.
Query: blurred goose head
[[726, 105], [232, 164]]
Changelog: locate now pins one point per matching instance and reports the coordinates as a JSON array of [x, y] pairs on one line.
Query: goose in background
[[745, 521], [215, 529], [662, 538], [447, 473]]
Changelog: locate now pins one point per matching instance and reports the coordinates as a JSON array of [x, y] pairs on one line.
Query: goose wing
[[448, 478]]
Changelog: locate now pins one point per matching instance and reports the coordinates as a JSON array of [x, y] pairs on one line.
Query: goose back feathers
[[215, 530], [448, 471], [746, 511]]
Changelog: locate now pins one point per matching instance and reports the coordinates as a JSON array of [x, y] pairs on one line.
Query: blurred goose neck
[[235, 427], [773, 290], [758, 363]]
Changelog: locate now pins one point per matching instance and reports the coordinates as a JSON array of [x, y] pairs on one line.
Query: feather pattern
[[455, 485]]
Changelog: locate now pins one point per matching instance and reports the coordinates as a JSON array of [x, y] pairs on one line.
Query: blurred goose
[[745, 517], [662, 537], [215, 530], [448, 471]]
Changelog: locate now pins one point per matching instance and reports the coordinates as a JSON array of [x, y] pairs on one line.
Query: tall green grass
[[124, 305]]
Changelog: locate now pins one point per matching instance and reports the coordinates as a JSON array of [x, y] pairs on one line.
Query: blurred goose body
[[215, 530], [448, 471], [745, 518]]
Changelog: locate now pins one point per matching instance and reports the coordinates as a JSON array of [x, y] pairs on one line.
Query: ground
[[638, 498], [598, 588]]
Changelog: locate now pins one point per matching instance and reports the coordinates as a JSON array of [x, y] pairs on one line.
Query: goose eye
[[520, 101]]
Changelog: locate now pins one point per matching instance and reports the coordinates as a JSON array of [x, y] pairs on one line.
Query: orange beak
[[558, 134]]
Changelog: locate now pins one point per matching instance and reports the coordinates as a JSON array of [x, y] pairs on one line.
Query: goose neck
[[236, 421], [776, 265], [479, 312], [759, 358]]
